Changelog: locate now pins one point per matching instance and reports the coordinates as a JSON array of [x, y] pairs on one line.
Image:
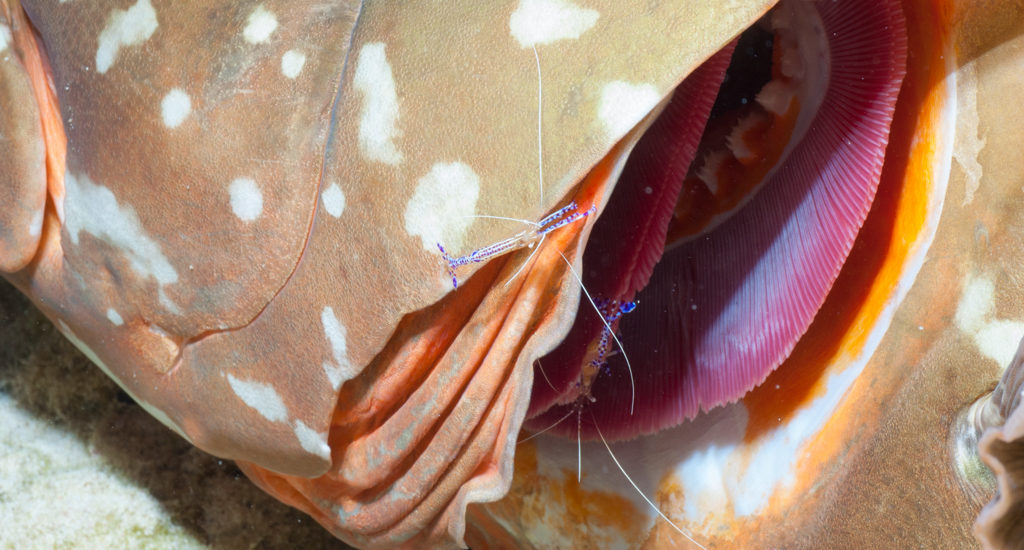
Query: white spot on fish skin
[[442, 207], [246, 199], [996, 339], [175, 107], [129, 27], [261, 24], [976, 303], [114, 317], [970, 139], [377, 124], [168, 304], [538, 22], [262, 397], [94, 209], [35, 226], [312, 441], [334, 200], [623, 105], [292, 62], [341, 369], [5, 37]]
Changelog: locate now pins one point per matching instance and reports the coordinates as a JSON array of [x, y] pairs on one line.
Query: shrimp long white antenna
[[506, 218], [681, 531], [608, 326], [557, 422], [540, 143], [545, 375], [540, 156], [533, 239], [579, 450]]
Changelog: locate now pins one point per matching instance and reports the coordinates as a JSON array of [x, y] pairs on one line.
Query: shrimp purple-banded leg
[[524, 239]]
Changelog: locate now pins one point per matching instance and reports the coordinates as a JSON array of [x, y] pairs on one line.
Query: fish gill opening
[[722, 251]]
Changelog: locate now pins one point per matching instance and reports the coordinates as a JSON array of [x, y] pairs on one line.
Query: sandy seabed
[[83, 466]]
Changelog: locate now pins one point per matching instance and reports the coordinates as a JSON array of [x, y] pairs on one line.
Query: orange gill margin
[[877, 262]]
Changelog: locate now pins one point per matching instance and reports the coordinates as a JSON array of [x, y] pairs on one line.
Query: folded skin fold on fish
[[554, 273]]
